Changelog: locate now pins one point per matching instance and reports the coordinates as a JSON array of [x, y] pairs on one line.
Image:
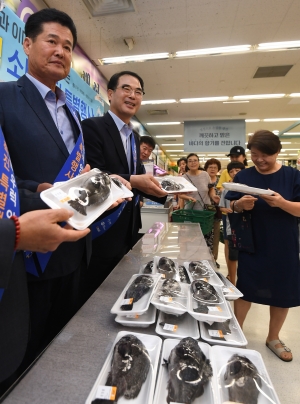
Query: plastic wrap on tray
[[241, 376], [171, 326], [133, 357], [171, 296]]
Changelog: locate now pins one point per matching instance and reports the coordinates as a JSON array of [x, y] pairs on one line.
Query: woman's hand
[[226, 210], [216, 199], [275, 200]]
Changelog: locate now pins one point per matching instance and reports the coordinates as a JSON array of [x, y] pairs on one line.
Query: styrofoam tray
[[229, 290], [213, 278], [220, 356], [136, 320], [171, 305], [217, 312], [187, 186], [161, 391], [180, 327], [155, 270], [236, 338], [126, 192], [235, 186], [57, 197], [139, 307], [153, 345]]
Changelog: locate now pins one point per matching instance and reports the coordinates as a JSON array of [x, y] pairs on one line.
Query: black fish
[[167, 267], [224, 327], [170, 287], [129, 368], [117, 181], [189, 371], [170, 185], [201, 308], [204, 292], [183, 275], [169, 319], [138, 288], [94, 190], [198, 270], [241, 379], [148, 268]]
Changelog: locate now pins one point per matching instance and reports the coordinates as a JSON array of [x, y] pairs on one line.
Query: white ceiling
[[174, 25]]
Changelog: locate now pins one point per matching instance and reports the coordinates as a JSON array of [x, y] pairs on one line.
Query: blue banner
[[14, 63]]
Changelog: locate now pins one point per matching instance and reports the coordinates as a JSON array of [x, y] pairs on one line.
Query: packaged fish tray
[[215, 310], [241, 376], [171, 297], [202, 269], [87, 196], [201, 370], [167, 267], [228, 333], [126, 367], [136, 320], [174, 184], [135, 297], [229, 290], [171, 326]]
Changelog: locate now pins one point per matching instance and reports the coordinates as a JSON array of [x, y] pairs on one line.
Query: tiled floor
[[285, 376]]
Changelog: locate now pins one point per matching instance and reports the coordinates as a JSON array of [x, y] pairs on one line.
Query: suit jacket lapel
[[115, 135], [39, 108]]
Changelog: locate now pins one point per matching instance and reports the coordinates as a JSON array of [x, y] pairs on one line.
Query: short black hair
[[210, 162], [34, 24], [265, 141], [181, 159], [148, 140], [114, 80], [235, 164]]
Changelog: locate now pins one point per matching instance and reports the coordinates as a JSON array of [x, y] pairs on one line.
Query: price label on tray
[[106, 392], [132, 316], [166, 299], [228, 290], [61, 195], [214, 308], [216, 333], [170, 327], [127, 301]]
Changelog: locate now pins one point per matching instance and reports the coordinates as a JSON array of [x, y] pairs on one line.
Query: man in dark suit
[[113, 146], [41, 133]]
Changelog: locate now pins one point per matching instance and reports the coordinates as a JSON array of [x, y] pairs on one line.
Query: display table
[[67, 370]]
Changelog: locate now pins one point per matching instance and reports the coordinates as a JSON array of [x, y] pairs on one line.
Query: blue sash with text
[[72, 167], [9, 197]]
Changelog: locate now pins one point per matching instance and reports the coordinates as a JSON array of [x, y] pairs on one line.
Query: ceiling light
[[134, 58], [291, 149], [281, 119], [153, 102], [292, 133], [163, 123], [204, 99], [235, 102], [168, 136], [278, 45], [213, 51], [252, 120], [257, 96], [293, 154], [172, 144], [174, 150], [286, 142], [174, 155], [295, 95]]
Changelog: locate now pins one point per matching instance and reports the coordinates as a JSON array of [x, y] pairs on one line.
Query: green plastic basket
[[204, 217]]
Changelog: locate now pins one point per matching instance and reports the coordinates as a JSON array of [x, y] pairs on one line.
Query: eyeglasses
[[138, 92]]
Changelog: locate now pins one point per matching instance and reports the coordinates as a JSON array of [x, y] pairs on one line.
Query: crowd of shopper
[[38, 293]]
